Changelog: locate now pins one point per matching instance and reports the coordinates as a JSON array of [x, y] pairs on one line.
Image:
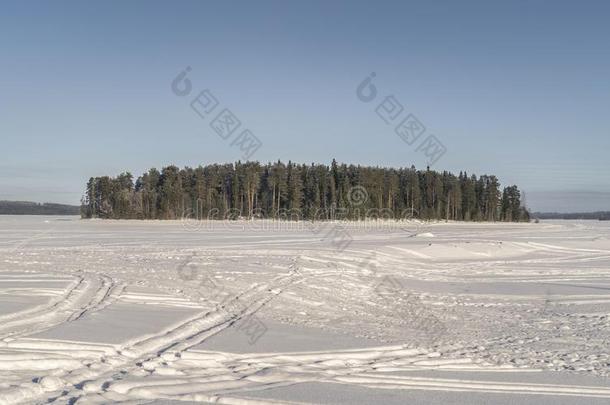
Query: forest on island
[[301, 191]]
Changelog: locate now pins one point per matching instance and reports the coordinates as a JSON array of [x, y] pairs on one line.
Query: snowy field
[[160, 312]]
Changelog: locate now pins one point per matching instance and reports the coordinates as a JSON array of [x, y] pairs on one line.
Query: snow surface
[[260, 312]]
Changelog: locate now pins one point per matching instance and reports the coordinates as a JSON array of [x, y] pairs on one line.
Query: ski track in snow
[[459, 278]]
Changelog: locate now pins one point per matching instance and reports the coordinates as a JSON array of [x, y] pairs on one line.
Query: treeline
[[315, 191], [33, 208], [599, 215]]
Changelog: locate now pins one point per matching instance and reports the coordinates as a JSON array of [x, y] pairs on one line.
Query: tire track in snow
[[217, 376], [98, 375], [87, 293]]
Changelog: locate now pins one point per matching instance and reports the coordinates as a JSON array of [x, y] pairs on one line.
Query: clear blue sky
[[519, 89]]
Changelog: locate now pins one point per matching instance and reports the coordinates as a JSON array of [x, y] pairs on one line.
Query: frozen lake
[[98, 311]]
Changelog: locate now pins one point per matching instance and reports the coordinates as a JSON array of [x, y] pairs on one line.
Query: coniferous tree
[[171, 202]]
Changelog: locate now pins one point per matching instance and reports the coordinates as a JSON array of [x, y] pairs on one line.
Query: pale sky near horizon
[[518, 89]]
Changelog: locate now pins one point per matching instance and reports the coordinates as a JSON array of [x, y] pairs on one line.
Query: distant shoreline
[[34, 208], [597, 215]]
